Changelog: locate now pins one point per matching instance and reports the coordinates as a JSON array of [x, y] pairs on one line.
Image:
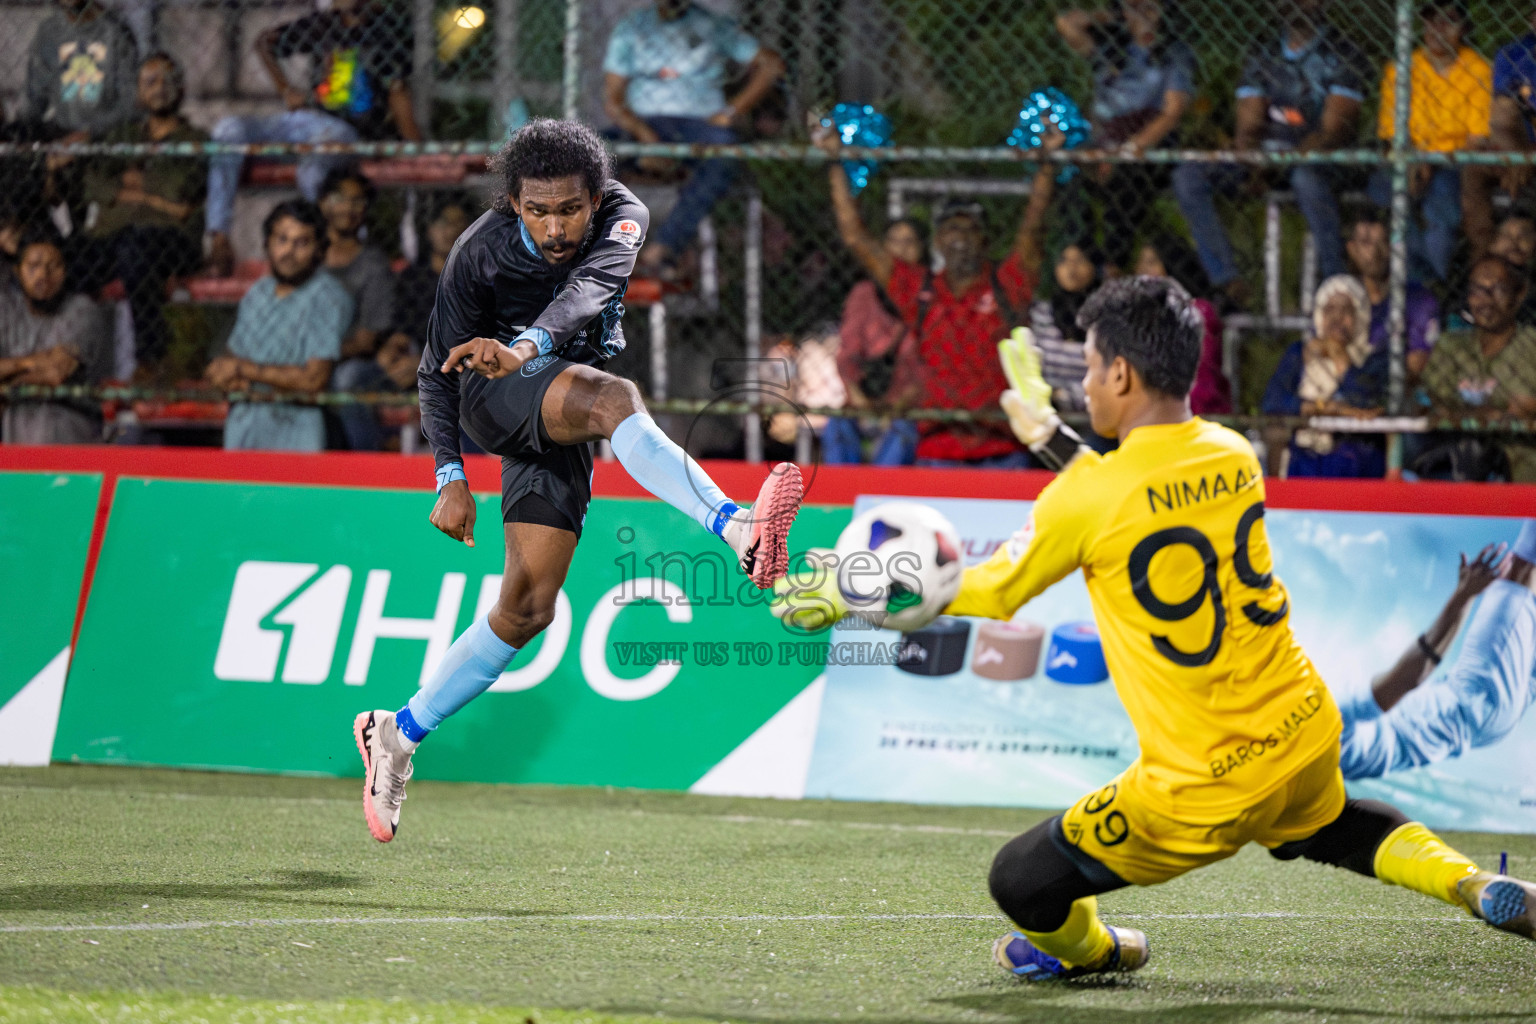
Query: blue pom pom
[[859, 125], [1055, 107]]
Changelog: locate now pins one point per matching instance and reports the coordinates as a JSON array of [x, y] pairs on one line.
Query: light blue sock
[[469, 668], [664, 469]]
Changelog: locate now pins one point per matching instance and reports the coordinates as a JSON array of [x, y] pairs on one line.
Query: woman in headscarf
[[1053, 319], [1333, 373], [1170, 256]]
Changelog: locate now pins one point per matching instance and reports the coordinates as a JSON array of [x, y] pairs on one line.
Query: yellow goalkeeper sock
[[1082, 941], [1415, 858]]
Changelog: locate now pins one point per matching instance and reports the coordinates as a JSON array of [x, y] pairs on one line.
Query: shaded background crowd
[[183, 272]]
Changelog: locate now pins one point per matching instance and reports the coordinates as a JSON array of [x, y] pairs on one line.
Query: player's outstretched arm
[[1419, 660], [1028, 403]]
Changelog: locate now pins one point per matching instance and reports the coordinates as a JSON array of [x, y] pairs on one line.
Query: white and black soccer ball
[[899, 565]]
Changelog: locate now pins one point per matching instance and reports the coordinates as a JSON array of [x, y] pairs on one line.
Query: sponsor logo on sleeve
[[627, 233]]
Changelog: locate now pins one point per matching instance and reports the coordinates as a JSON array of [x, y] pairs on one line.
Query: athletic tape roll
[[1076, 656], [1007, 651], [938, 649]]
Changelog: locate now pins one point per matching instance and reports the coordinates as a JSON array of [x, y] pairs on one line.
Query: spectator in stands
[[1053, 319], [1300, 92], [1512, 127], [49, 336], [81, 71], [1515, 240], [364, 272], [13, 226], [416, 290], [287, 336], [878, 362], [1333, 373], [359, 89], [663, 82], [1451, 94], [1370, 254], [149, 222], [1170, 256], [79, 84], [1143, 79], [1489, 370], [956, 316]]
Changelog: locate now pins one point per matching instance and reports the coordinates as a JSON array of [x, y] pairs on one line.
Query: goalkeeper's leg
[[1048, 888], [1377, 840]]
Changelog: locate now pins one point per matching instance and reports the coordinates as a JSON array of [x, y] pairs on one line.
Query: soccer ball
[[899, 565]]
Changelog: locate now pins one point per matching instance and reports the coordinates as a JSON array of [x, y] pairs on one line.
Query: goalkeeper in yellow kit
[[1239, 735]]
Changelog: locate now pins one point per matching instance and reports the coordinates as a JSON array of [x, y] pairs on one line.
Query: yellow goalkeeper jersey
[[1169, 533]]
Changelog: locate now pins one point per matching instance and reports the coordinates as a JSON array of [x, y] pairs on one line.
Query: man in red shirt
[[957, 316]]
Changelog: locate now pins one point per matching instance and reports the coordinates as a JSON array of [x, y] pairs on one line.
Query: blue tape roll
[[859, 124], [1076, 656]]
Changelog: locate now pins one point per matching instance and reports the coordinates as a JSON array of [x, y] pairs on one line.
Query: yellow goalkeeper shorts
[[1116, 827]]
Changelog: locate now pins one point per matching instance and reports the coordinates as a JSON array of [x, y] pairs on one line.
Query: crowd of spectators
[[334, 311]]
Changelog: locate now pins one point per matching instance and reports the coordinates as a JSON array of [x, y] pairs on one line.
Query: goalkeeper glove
[[808, 600], [1028, 398], [1028, 402]]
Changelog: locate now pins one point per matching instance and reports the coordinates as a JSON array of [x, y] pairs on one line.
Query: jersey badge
[[626, 233]]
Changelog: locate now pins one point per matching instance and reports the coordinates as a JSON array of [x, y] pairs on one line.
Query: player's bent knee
[[1350, 840], [1033, 882], [518, 623], [617, 400]]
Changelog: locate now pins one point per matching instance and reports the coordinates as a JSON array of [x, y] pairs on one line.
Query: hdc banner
[[242, 626], [45, 532], [1013, 727]]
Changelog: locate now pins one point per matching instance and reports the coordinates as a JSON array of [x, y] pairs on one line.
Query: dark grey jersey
[[495, 284]]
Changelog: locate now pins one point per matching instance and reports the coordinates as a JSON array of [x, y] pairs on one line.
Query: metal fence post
[[424, 58], [1398, 287], [505, 84], [753, 272], [570, 82]]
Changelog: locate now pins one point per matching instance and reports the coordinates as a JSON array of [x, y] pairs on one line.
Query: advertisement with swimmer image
[[1024, 713]]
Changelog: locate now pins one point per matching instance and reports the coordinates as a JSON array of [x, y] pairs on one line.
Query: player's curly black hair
[[545, 148], [1153, 323]]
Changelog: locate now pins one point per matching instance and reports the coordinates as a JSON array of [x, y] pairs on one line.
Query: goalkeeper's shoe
[[760, 535], [1020, 957], [1507, 904], [386, 770]]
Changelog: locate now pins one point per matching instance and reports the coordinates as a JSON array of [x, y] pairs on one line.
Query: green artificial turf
[[558, 906]]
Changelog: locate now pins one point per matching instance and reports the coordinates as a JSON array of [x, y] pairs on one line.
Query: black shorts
[[503, 417]]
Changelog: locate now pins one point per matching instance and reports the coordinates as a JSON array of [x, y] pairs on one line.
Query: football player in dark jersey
[[528, 310]]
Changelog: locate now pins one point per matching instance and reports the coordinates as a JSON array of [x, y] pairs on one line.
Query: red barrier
[[826, 485]]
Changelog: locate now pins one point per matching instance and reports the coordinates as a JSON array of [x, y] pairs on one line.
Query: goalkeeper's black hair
[[545, 148], [1152, 323]]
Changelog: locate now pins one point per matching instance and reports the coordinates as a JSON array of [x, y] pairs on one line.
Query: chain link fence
[[1251, 150]]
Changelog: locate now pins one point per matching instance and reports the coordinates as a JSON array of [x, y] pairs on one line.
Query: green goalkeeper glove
[[808, 599], [1028, 398]]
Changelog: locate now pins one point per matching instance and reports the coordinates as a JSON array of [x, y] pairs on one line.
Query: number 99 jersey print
[[1169, 533]]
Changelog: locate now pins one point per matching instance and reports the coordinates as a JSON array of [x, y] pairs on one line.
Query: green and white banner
[[45, 533], [242, 626]]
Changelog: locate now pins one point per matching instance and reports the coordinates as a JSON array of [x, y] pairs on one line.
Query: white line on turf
[[182, 926], [734, 819]]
